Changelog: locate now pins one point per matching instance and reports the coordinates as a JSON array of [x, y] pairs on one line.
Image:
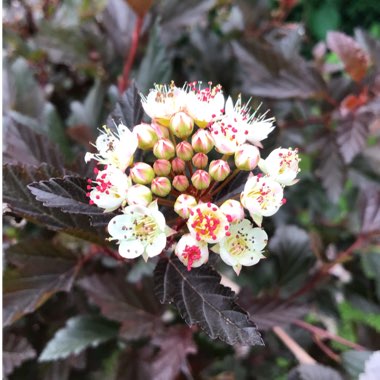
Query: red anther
[[191, 254], [97, 197], [246, 132], [208, 204], [91, 202], [228, 233], [89, 180], [214, 208], [229, 218], [226, 228], [284, 201], [89, 187], [87, 194], [96, 170]]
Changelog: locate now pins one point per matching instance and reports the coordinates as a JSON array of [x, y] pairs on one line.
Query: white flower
[[282, 166], [227, 135], [207, 223], [115, 148], [254, 127], [191, 252], [243, 247], [163, 102], [204, 105], [139, 195], [140, 231], [109, 189], [262, 196]]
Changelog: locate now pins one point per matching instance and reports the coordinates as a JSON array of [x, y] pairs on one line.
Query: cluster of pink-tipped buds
[[184, 151], [142, 173], [161, 186], [146, 136], [201, 180], [202, 141], [181, 125], [164, 149], [162, 167], [219, 170]]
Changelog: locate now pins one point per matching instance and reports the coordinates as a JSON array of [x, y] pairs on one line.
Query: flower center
[[237, 245], [145, 229], [205, 224], [191, 254]]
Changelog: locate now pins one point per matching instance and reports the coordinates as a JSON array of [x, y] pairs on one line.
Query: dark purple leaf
[[128, 109], [331, 169], [37, 270], [354, 58], [266, 73], [270, 311], [69, 195], [22, 203], [201, 299], [314, 372], [16, 350], [136, 364], [175, 344], [23, 145], [370, 210], [135, 307], [352, 133]]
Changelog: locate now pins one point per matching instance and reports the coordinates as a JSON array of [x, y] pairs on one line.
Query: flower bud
[[183, 204], [202, 141], [233, 210], [139, 195], [161, 186], [247, 157], [142, 173], [162, 167], [200, 160], [201, 179], [181, 124], [219, 170], [184, 151], [180, 182], [178, 165], [164, 148], [146, 136], [161, 131]]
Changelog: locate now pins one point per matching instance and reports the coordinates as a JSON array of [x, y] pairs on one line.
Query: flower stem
[[164, 202], [129, 59], [225, 182]]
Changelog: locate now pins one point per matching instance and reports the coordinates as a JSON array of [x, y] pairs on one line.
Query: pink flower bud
[[184, 151], [202, 141], [164, 148], [219, 170], [178, 165], [200, 160], [142, 173], [146, 136], [247, 157], [183, 204], [162, 167], [161, 131], [233, 210], [139, 195], [201, 179], [181, 124], [180, 182], [161, 186]]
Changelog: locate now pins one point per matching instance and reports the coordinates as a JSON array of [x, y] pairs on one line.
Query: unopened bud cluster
[[199, 142]]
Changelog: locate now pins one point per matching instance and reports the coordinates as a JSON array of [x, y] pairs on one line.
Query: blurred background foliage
[[316, 66]]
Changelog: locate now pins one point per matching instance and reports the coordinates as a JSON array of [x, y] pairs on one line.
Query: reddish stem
[[327, 350], [129, 59]]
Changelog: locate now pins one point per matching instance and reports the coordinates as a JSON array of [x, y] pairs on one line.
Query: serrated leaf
[[16, 350], [331, 168], [37, 270], [291, 250], [201, 299], [175, 344], [69, 195], [128, 109], [354, 58], [78, 334], [134, 306], [371, 367], [314, 372], [23, 145], [352, 133], [271, 311], [21, 202], [369, 204], [353, 362], [266, 73], [155, 66]]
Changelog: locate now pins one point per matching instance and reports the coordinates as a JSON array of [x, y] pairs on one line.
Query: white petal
[[258, 219], [251, 258], [116, 225], [130, 249], [157, 245]]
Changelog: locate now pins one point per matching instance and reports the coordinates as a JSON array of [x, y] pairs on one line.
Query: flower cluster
[[199, 142]]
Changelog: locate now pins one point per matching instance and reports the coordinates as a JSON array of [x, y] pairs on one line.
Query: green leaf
[[371, 267], [323, 18], [78, 334], [21, 202], [314, 372], [36, 270], [201, 299], [155, 66], [353, 362]]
